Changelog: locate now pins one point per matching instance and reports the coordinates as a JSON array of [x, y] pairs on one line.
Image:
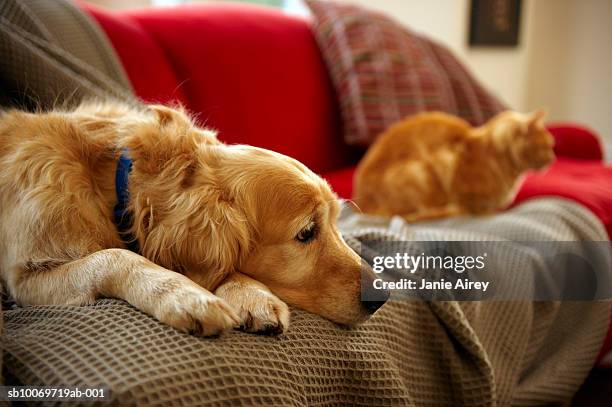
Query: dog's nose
[[373, 306], [372, 298]]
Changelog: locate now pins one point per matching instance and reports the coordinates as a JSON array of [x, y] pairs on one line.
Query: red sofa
[[256, 75]]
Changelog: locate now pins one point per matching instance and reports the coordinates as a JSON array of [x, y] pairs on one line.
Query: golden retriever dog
[[227, 234]]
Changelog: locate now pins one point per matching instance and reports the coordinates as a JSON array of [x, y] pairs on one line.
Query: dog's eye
[[307, 234]]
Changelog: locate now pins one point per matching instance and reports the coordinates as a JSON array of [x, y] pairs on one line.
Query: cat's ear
[[537, 118]]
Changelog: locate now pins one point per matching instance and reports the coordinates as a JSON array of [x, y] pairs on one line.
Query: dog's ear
[[164, 139], [203, 231], [230, 234], [166, 115]]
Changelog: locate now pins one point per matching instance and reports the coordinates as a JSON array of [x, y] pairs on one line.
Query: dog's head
[[298, 251], [220, 208]]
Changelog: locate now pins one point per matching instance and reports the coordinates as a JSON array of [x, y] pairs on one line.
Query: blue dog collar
[[123, 217]]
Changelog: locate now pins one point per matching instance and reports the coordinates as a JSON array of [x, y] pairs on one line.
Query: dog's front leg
[[168, 296], [259, 310]]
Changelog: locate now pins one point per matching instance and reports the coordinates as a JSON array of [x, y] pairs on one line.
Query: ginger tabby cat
[[434, 165]]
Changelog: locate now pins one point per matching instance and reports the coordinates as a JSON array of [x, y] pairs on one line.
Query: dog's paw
[[193, 310], [259, 310], [265, 314]]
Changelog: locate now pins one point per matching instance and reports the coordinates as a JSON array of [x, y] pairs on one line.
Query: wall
[[570, 67]]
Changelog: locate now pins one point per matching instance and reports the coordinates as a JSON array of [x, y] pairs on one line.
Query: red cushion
[[254, 73], [576, 141], [586, 182]]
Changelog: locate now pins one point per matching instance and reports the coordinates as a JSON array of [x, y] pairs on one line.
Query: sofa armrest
[[574, 141]]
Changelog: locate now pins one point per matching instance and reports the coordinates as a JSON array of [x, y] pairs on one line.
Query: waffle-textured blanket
[[409, 353]]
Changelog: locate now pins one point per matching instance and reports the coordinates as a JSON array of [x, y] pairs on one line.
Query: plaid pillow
[[384, 72]]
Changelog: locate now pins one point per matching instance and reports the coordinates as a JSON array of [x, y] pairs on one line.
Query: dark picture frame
[[495, 23]]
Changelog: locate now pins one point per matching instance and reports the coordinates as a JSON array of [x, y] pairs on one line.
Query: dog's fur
[[209, 218], [434, 165]]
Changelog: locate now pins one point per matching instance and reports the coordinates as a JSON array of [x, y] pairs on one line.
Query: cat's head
[[524, 137]]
